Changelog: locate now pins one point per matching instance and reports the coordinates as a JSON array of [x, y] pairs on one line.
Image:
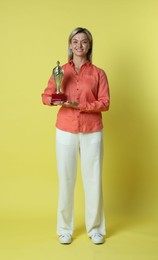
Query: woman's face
[[80, 45]]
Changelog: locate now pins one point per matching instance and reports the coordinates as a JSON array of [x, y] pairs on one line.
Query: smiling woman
[[79, 130], [34, 35]]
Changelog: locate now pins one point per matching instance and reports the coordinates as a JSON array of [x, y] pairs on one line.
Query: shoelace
[[97, 235], [65, 235]]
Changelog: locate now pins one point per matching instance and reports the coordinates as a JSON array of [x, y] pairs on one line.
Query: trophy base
[[59, 97]]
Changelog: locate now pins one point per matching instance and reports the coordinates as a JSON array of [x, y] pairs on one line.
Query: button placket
[[77, 99], [77, 89]]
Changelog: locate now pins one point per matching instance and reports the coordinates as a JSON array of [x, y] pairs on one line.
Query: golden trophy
[[58, 74]]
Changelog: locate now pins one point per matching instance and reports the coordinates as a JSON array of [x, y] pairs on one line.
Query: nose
[[79, 44]]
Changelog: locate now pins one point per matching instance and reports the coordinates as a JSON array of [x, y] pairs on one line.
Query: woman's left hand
[[72, 104]]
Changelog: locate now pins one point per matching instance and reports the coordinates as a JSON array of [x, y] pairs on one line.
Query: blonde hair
[[90, 39]]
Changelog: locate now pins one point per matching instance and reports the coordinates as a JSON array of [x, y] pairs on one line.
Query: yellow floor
[[35, 239]]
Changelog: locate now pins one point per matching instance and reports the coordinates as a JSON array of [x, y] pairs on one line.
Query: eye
[[85, 42], [74, 42]]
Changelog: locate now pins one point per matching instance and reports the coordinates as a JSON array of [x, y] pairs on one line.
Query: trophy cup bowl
[[58, 74]]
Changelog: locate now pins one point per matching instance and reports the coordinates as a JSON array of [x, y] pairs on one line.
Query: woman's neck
[[78, 62]]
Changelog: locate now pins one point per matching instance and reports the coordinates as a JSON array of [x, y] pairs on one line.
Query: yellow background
[[33, 36]]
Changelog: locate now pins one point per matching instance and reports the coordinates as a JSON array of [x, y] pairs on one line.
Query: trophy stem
[[58, 87]]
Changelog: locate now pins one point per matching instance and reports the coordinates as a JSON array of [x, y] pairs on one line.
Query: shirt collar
[[87, 62]]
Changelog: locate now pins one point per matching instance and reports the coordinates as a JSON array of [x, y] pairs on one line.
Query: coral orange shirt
[[90, 89]]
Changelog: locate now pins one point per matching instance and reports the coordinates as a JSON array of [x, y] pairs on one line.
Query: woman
[[79, 130]]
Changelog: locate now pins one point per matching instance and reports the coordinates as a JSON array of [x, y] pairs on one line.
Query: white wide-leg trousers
[[90, 147]]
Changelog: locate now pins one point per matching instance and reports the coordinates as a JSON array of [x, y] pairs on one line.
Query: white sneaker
[[65, 238], [97, 238]]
